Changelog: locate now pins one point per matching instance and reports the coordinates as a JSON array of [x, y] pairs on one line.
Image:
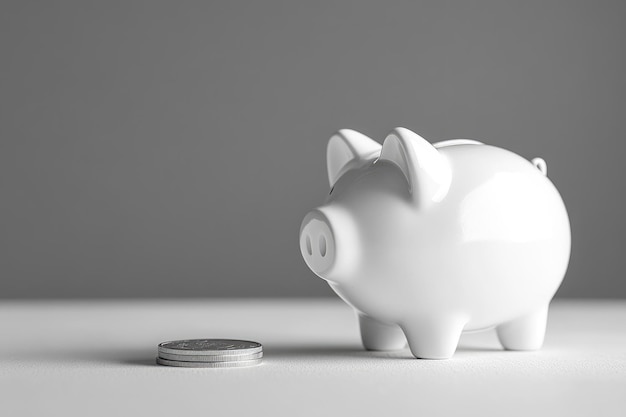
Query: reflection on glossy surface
[[500, 209]]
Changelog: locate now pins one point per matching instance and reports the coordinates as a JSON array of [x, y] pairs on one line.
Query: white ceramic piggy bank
[[427, 241]]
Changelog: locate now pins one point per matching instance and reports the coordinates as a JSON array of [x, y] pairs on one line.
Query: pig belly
[[486, 285], [518, 280]]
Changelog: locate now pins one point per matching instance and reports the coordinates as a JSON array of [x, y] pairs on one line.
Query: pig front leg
[[524, 333], [380, 336], [434, 338]]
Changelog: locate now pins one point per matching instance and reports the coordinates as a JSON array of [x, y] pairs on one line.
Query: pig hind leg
[[524, 333], [380, 336], [434, 338]]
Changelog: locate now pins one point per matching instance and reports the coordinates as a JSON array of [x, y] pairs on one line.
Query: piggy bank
[[426, 241]]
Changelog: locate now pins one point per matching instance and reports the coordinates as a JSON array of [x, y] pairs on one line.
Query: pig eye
[[331, 190]]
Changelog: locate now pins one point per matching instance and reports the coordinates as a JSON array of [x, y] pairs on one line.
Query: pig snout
[[329, 243], [317, 242]]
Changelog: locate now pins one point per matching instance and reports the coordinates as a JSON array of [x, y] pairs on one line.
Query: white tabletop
[[96, 358]]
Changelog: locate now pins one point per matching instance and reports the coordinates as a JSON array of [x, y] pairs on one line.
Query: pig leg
[[524, 333], [380, 336], [434, 338]]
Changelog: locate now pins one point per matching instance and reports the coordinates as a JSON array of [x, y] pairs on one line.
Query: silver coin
[[209, 358], [210, 347], [229, 364]]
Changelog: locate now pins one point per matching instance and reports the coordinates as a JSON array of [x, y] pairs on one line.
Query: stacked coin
[[210, 353]]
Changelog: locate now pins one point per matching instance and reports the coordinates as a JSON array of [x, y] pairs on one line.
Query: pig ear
[[348, 149], [426, 170]]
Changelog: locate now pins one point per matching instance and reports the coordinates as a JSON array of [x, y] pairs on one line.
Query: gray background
[[171, 149]]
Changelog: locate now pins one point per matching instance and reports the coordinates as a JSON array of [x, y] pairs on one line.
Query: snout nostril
[[309, 247], [322, 245]]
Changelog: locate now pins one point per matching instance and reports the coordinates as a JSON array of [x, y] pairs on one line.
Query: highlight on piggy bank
[[426, 241]]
